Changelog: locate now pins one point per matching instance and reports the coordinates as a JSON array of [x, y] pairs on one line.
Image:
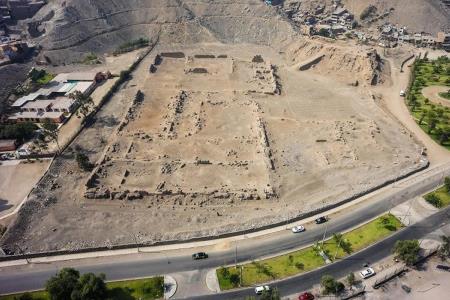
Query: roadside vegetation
[[131, 46], [20, 132], [440, 197], [310, 258], [68, 284], [433, 118]]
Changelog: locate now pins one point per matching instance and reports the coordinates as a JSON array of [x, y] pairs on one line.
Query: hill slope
[[74, 27]]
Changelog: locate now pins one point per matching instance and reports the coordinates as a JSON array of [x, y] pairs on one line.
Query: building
[[443, 41], [52, 102], [8, 145]]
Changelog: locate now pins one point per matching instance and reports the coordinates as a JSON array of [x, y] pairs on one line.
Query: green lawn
[[429, 73], [306, 259], [144, 289], [45, 79], [443, 196]]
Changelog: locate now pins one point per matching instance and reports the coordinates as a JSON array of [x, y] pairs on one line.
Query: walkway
[[432, 93]]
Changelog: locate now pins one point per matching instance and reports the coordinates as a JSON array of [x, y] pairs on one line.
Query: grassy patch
[[439, 198], [145, 289], [307, 259], [445, 95], [433, 118]]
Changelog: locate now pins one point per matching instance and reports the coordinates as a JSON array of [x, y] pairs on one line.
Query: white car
[[298, 228], [369, 272], [260, 289], [402, 93]]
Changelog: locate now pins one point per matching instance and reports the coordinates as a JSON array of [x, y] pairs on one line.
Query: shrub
[[434, 200], [331, 285], [407, 251]]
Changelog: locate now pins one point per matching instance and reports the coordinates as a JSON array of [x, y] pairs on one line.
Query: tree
[[422, 116], [351, 279], [407, 251], [61, 286], [83, 102], [50, 130], [235, 280], [330, 285], [83, 161], [447, 183], [432, 120], [434, 200], [25, 296], [272, 294], [224, 272], [90, 287], [444, 249], [443, 134]]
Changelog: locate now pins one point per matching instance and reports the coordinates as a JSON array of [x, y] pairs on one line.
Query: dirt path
[[432, 93], [396, 105]]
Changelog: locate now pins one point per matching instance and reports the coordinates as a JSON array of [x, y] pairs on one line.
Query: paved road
[[33, 276], [351, 264]]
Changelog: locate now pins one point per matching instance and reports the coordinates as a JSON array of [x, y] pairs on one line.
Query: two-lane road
[[33, 276]]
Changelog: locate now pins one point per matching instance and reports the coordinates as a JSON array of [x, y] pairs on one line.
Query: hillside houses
[[52, 102]]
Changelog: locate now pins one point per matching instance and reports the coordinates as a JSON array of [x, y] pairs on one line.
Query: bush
[[235, 280], [20, 132], [434, 200], [83, 161], [330, 285], [407, 251]]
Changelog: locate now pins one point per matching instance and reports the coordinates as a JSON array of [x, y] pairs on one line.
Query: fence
[[389, 276]]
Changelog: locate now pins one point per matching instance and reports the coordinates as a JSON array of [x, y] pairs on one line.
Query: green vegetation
[[20, 132], [91, 287], [83, 162], [133, 45], [433, 118], [331, 285], [440, 197], [445, 95], [91, 59], [307, 259], [444, 249], [83, 102], [40, 76], [407, 251]]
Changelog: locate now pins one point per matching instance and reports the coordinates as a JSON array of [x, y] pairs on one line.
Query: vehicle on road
[[321, 220], [298, 228], [402, 93], [306, 296], [260, 289], [369, 272], [199, 255], [442, 267]]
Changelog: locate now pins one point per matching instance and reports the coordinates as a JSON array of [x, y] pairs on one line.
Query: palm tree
[[83, 103]]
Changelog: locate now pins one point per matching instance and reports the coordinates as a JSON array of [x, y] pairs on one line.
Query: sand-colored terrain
[[16, 181], [222, 140]]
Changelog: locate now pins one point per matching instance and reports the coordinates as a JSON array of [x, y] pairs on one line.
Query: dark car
[[321, 220], [306, 296], [442, 267], [199, 255]]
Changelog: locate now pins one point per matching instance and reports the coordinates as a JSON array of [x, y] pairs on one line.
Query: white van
[[402, 93]]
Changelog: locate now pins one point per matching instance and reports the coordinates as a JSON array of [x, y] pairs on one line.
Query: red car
[[306, 296]]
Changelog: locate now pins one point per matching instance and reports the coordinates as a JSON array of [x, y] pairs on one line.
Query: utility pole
[[325, 232], [235, 254]]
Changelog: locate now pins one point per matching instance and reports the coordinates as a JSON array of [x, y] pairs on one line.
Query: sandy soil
[[432, 93], [208, 153], [16, 181]]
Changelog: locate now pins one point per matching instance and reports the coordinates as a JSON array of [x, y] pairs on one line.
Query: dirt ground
[[16, 181], [216, 145], [426, 282]]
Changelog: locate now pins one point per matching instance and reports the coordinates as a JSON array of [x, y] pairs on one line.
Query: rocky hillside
[[418, 15], [69, 28]]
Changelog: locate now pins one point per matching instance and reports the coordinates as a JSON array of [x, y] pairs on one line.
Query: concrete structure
[[443, 40], [53, 102], [8, 145]]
